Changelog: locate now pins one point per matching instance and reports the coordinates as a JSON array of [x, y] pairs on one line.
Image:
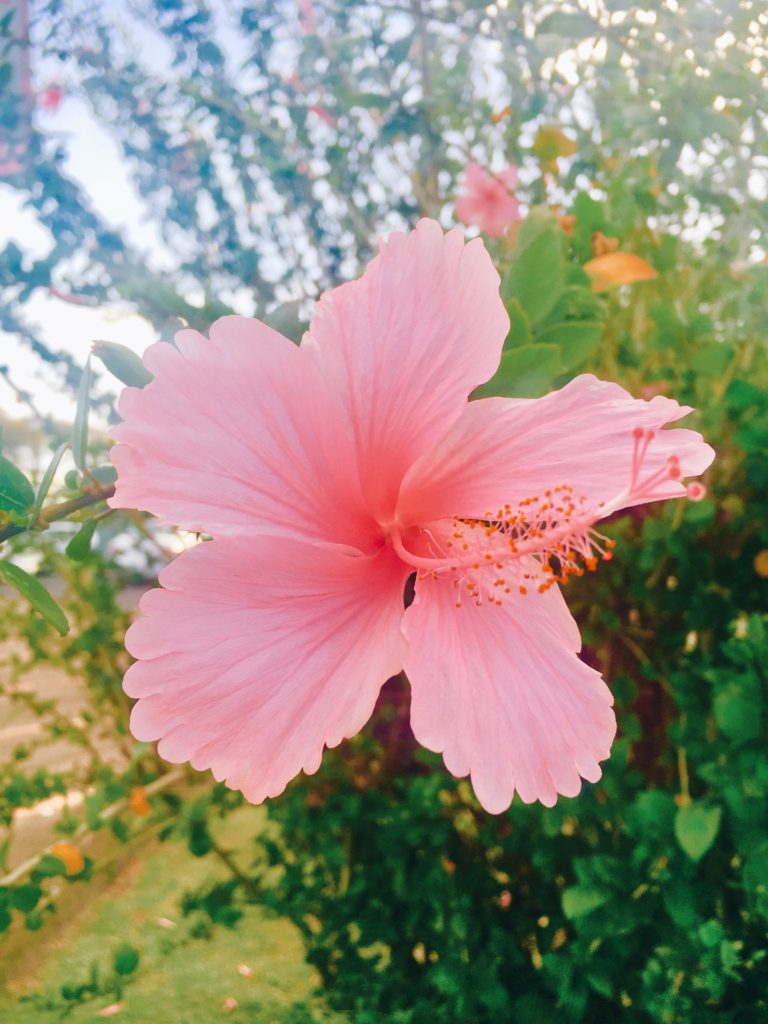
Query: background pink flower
[[327, 475], [486, 201], [307, 21]]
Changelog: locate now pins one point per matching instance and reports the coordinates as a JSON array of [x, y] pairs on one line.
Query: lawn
[[259, 964]]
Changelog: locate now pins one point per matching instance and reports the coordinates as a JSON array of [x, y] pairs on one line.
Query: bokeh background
[[163, 163]]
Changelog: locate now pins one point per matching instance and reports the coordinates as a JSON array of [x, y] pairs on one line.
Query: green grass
[[178, 980]]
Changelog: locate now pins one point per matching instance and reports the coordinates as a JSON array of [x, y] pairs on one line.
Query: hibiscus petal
[[405, 345], [239, 434], [500, 692], [504, 450], [257, 653]]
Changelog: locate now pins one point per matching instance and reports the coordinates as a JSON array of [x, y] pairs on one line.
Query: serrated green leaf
[[16, 492], [80, 428], [37, 596], [45, 483], [696, 828], [524, 372]]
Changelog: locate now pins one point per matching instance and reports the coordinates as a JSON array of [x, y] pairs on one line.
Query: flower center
[[542, 540]]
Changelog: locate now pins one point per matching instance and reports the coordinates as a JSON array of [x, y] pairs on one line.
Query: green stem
[[90, 496]]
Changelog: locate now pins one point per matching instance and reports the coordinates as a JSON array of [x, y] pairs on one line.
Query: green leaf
[[576, 339], [537, 275], [80, 545], [80, 428], [26, 897], [122, 363], [372, 100], [199, 839], [49, 866], [650, 817], [126, 959], [580, 900], [712, 359], [45, 483], [696, 827], [209, 53], [524, 372], [711, 933], [738, 712], [16, 492], [680, 902], [590, 217], [519, 325], [104, 474], [570, 25], [37, 596], [538, 221]]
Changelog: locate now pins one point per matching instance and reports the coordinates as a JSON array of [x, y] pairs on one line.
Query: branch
[[161, 783], [90, 496]]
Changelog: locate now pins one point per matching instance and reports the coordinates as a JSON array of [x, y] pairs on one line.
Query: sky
[[93, 159]]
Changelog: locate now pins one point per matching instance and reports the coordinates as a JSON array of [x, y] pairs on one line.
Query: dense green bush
[[645, 898]]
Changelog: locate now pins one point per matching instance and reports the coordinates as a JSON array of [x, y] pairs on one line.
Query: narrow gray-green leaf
[[122, 363], [80, 428], [45, 483], [16, 492], [36, 594], [80, 545]]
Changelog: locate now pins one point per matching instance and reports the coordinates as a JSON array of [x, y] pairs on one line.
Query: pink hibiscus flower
[[330, 473], [486, 201]]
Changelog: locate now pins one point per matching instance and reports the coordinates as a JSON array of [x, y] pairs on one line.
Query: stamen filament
[[541, 542]]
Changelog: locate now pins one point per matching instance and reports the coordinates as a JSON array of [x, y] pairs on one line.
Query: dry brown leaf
[[499, 115], [138, 801], [602, 244], [617, 268], [70, 855], [552, 142]]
